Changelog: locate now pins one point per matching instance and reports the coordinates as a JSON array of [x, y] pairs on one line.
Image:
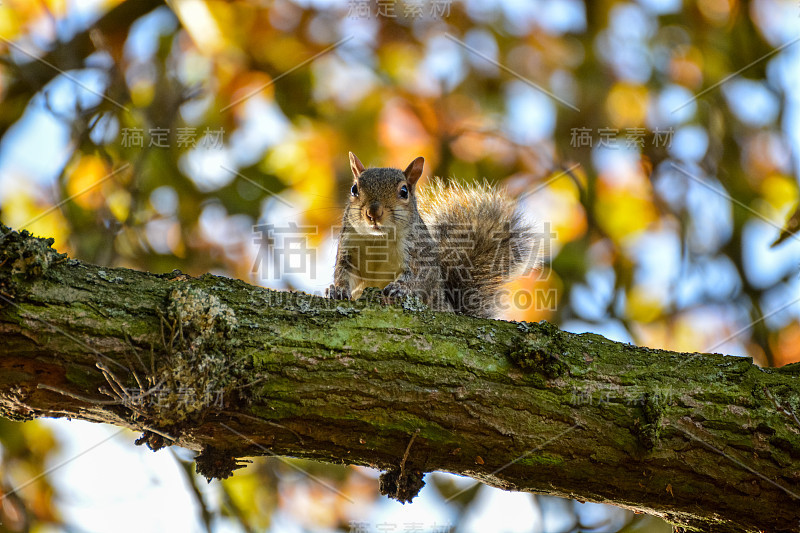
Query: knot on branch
[[13, 402], [213, 463], [24, 257], [205, 323], [201, 366], [541, 351], [402, 484], [649, 430], [153, 440]]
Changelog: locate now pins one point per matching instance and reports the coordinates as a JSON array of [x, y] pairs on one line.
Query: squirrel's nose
[[374, 212]]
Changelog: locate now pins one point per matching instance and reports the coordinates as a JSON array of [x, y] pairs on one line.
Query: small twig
[[103, 368], [152, 358], [112, 380], [99, 311], [173, 335], [136, 353], [159, 432], [246, 385], [568, 172], [110, 394], [781, 409], [162, 322], [179, 319], [405, 458], [152, 390], [77, 396], [125, 401], [187, 467]]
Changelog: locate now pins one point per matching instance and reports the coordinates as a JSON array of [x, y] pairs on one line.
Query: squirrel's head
[[382, 199]]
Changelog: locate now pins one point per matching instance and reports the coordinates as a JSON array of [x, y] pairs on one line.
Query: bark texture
[[706, 441]]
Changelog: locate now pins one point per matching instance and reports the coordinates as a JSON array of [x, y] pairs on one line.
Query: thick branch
[[694, 438]]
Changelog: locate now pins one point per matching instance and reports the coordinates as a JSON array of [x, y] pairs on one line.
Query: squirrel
[[452, 246]]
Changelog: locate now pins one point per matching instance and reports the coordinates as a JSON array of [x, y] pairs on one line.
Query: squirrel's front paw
[[337, 293], [396, 291]]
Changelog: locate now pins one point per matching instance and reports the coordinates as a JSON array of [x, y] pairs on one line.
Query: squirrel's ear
[[355, 165], [414, 170]]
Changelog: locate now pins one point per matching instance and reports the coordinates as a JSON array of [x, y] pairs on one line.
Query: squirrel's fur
[[453, 246], [484, 242]]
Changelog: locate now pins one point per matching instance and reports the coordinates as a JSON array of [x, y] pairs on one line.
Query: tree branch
[[231, 370]]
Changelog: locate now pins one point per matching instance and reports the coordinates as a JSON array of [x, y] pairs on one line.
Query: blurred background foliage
[[656, 141]]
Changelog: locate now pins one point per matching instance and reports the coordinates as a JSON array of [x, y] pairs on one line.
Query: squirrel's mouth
[[374, 224], [375, 228]]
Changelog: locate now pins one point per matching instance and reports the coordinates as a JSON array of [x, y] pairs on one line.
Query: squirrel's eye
[[354, 190], [403, 192]]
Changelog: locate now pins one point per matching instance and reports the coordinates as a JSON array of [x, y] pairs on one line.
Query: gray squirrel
[[450, 245]]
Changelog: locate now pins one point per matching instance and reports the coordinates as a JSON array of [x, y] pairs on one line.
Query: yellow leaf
[[9, 23], [84, 181], [201, 24], [119, 203], [400, 60], [642, 304], [627, 105], [622, 214], [22, 210], [779, 190]]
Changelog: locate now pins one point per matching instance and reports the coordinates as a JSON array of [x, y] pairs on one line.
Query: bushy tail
[[484, 242]]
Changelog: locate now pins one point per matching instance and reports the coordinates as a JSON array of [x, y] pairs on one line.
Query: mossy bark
[[231, 370]]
